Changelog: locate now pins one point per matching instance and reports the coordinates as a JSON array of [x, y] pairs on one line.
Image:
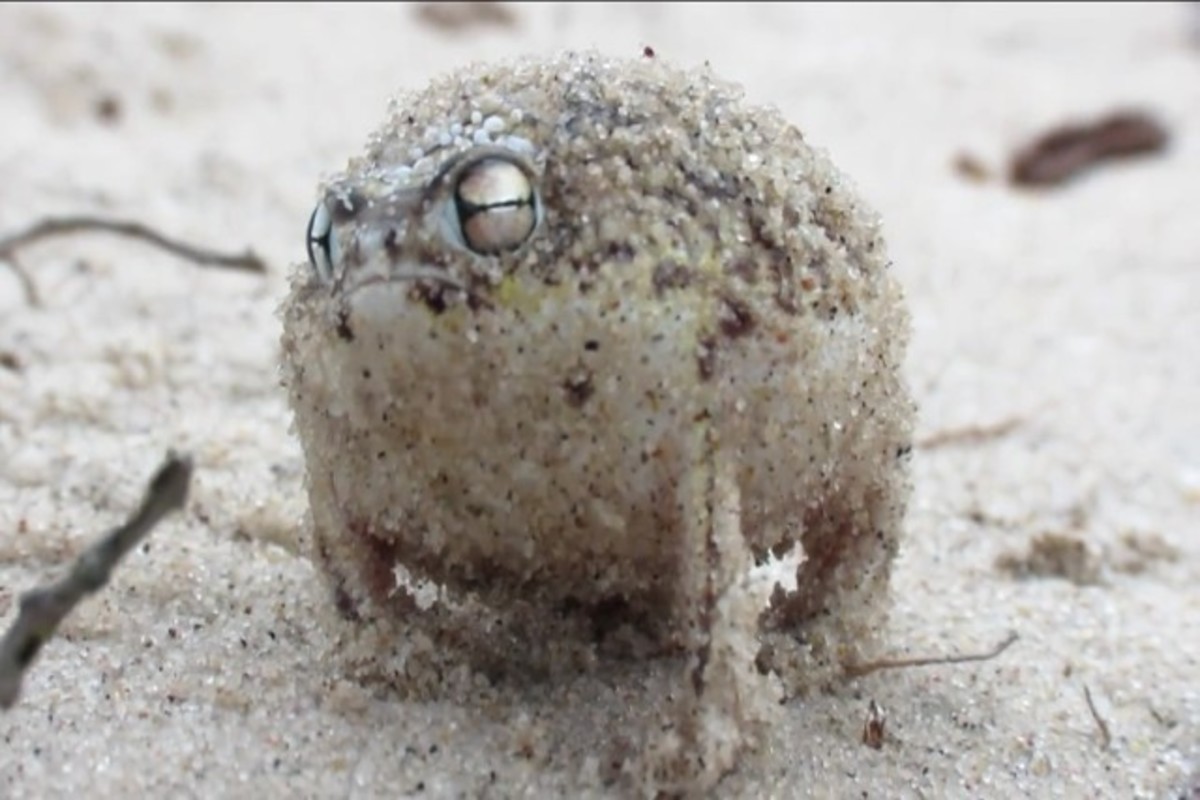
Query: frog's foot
[[357, 562], [360, 568]]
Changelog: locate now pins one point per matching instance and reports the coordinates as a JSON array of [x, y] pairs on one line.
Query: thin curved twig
[[50, 227], [858, 670]]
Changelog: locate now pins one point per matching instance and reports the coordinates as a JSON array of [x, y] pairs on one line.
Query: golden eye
[[496, 205]]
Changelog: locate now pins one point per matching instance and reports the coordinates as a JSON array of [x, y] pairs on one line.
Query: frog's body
[[700, 292]]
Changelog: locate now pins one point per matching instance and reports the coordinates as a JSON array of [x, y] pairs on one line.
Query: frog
[[597, 336]]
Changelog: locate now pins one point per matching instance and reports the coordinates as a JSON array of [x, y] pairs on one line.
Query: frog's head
[[441, 227], [571, 173]]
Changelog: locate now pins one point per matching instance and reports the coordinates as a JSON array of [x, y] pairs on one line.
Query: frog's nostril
[[391, 242]]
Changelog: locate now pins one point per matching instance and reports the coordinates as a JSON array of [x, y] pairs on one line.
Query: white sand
[[202, 670]]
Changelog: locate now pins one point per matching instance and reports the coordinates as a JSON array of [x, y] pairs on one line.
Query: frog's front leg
[[358, 564], [722, 597]]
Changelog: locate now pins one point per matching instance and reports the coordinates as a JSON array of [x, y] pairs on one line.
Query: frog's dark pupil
[[466, 209], [320, 240]]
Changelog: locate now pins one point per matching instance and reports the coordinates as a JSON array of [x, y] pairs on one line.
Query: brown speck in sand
[[1062, 153], [457, 17], [971, 168], [1139, 551], [179, 45], [108, 109], [875, 728], [1054, 555]]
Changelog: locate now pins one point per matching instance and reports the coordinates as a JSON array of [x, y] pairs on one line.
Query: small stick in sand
[[43, 608], [971, 434], [32, 296], [859, 670], [1105, 733], [875, 728], [971, 168], [50, 227]]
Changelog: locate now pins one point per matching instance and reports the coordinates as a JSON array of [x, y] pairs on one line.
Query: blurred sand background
[[1063, 323]]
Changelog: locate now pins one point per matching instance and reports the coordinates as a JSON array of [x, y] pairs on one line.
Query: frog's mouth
[[386, 246], [404, 274], [391, 238], [382, 292]]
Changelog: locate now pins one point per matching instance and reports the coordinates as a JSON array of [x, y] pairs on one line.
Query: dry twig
[[61, 226], [971, 434], [1105, 733], [43, 608], [859, 670], [32, 296]]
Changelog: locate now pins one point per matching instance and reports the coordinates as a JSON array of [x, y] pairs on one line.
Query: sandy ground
[[1071, 314]]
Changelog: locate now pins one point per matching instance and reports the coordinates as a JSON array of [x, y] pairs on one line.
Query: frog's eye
[[319, 241], [496, 205]]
